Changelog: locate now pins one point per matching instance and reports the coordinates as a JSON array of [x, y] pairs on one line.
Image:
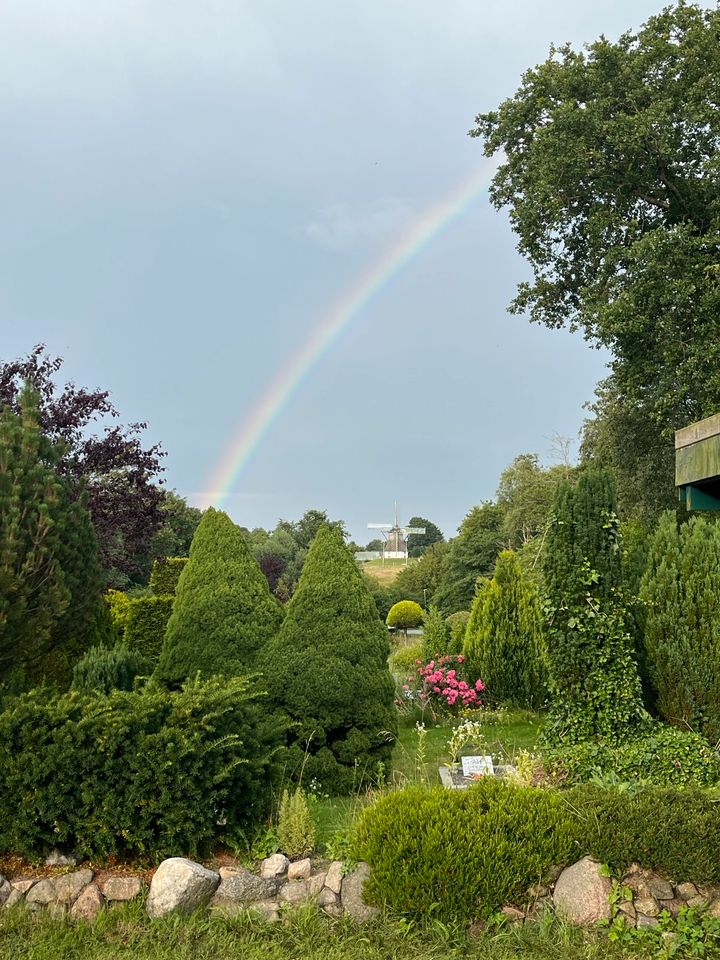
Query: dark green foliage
[[179, 523], [50, 581], [526, 492], [146, 625], [455, 855], [327, 670], [583, 534], [681, 604], [104, 669], [506, 646], [659, 754], [420, 580], [165, 575], [418, 543], [594, 683], [470, 555], [676, 832], [609, 163], [224, 612], [148, 774]]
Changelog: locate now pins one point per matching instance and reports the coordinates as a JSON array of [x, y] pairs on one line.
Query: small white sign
[[477, 765]]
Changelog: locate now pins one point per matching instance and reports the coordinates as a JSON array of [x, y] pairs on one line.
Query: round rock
[[181, 886], [582, 894]]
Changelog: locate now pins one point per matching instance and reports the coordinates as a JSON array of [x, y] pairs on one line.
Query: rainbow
[[251, 431]]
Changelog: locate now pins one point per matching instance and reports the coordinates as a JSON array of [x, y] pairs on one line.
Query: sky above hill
[[188, 191]]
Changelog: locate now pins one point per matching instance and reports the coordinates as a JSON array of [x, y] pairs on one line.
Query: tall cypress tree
[[224, 612], [327, 670], [594, 680], [680, 591], [506, 647], [50, 585]]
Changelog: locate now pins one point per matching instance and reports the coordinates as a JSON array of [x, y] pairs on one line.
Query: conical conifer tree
[[224, 613], [595, 687], [50, 581], [506, 647], [327, 671], [681, 594]]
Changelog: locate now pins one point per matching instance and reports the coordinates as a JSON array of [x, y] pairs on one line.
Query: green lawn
[[126, 932], [517, 731]]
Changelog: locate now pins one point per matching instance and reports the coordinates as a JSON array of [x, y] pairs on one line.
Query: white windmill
[[395, 547]]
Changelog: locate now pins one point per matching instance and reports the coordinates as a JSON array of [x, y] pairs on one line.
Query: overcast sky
[[188, 185]]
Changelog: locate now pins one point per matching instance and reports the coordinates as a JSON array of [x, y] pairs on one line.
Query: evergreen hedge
[[455, 855], [327, 670], [165, 574], [104, 669], [223, 613], [146, 623], [141, 775]]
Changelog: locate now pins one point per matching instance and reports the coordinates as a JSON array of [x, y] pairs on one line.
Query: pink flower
[[479, 685], [461, 659]]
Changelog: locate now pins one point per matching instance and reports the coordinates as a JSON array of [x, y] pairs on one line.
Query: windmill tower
[[395, 537]]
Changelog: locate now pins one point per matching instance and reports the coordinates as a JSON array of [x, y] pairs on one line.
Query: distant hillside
[[384, 572]]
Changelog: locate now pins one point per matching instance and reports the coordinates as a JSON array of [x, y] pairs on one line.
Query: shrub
[[436, 634], [296, 829], [165, 574], [403, 659], [104, 669], [146, 623], [119, 606], [662, 755], [150, 774], [443, 687], [457, 625], [327, 670], [682, 622], [676, 832], [404, 614], [454, 855], [506, 646], [224, 612]]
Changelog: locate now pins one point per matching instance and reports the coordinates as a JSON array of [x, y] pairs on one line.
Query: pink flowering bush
[[441, 686]]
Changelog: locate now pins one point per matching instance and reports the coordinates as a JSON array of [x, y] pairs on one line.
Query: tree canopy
[[610, 174], [419, 542], [117, 472]]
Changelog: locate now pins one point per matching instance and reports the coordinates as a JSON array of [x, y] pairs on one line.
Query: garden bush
[[505, 644], [224, 612], [676, 832], [455, 855], [435, 635], [145, 625], [104, 669], [327, 671], [404, 614], [165, 574], [661, 755], [457, 625], [145, 775], [403, 659]]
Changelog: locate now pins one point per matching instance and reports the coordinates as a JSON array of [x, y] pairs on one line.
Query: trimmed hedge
[[142, 775], [146, 623], [663, 755], [455, 855], [165, 575], [676, 832]]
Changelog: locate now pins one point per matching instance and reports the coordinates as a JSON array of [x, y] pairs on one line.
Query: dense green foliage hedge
[[104, 669], [327, 671], [455, 855], [403, 659], [150, 774], [404, 614], [660, 754], [223, 613], [165, 574], [676, 832], [145, 625]]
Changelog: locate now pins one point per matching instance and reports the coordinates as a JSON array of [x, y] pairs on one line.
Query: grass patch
[[385, 571], [306, 935]]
